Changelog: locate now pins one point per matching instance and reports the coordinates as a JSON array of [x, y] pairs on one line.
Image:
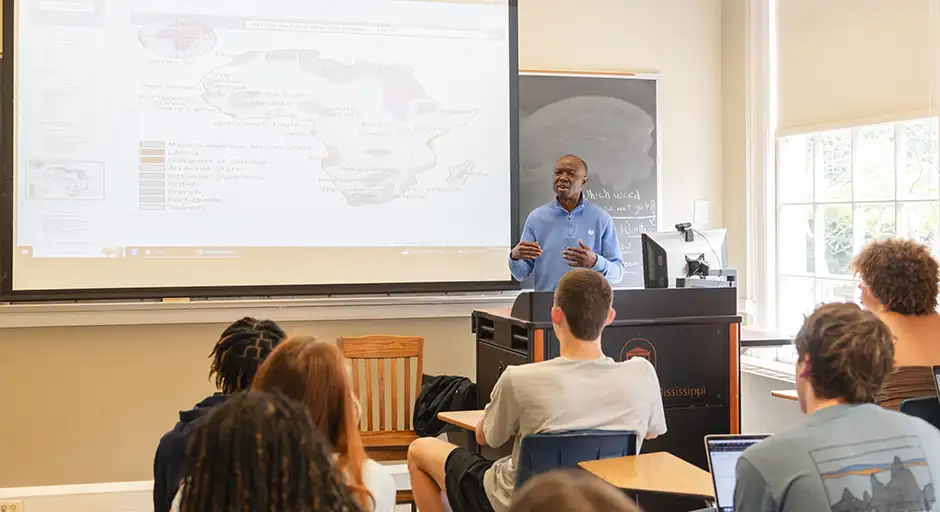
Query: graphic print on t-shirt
[[884, 475]]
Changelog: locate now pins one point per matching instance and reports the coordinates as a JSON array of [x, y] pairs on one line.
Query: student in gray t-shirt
[[582, 389], [849, 454]]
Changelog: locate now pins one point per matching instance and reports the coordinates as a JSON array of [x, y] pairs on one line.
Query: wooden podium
[[691, 335]]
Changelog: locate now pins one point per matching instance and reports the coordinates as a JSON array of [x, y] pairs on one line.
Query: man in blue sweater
[[567, 233]]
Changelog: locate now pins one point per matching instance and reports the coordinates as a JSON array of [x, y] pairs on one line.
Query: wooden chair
[[386, 441]]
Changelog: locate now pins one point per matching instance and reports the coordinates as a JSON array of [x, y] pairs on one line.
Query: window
[[836, 191]]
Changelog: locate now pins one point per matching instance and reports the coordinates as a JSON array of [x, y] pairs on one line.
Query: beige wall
[[89, 404], [734, 134]]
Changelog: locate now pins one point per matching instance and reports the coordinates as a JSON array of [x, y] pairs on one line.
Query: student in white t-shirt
[[314, 373], [582, 389]]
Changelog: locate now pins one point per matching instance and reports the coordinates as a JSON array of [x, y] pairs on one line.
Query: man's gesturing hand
[[581, 256], [526, 251]]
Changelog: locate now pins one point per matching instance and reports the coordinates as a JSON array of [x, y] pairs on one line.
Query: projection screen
[[165, 144]]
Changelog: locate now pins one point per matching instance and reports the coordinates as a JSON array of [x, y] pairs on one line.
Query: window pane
[[918, 175], [919, 221], [832, 290], [795, 240], [834, 241], [873, 167], [795, 171], [797, 298], [833, 162], [873, 222]]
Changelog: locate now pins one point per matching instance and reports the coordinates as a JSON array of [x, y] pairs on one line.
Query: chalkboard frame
[[8, 113], [651, 77]]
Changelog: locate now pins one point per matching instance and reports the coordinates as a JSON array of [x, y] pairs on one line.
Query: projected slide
[[172, 144]]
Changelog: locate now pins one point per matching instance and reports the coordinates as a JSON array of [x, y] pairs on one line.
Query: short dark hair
[[585, 298], [901, 274], [241, 349], [261, 451], [578, 158], [567, 490], [849, 350]]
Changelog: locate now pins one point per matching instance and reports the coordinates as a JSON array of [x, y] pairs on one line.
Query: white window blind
[[844, 63]]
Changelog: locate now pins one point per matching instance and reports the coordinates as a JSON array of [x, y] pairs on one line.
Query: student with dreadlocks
[[236, 358], [261, 452], [314, 373]]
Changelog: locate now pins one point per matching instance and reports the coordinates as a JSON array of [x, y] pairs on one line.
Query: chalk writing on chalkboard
[[632, 215]]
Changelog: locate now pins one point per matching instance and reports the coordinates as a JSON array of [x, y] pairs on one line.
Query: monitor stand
[[723, 278]]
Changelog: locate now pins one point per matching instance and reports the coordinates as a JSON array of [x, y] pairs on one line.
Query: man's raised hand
[[526, 251]]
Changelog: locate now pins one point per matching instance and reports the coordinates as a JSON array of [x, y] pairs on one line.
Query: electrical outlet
[[11, 506]]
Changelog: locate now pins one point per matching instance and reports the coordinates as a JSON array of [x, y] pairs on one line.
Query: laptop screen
[[936, 378], [723, 455]]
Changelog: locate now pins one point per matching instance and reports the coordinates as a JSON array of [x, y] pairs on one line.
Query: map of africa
[[376, 120]]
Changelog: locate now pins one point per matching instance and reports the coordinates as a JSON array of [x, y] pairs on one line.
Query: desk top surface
[[756, 337], [463, 419], [653, 472], [786, 394]]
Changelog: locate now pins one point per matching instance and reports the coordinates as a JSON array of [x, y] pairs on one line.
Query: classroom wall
[[734, 135], [87, 404]]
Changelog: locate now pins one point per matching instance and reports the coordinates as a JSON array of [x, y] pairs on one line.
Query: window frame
[[896, 202]]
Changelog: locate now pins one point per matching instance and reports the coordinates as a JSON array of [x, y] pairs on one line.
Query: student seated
[[235, 358], [848, 454], [900, 284], [582, 389], [570, 491], [314, 373], [261, 452]]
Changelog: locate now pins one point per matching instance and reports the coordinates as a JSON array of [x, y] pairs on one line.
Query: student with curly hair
[[261, 452], [236, 357], [899, 283]]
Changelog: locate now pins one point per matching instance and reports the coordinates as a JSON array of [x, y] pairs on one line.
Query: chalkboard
[[609, 121]]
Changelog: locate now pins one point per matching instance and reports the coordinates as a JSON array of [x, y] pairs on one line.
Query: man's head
[[583, 301], [900, 276], [844, 353], [241, 349], [571, 174]]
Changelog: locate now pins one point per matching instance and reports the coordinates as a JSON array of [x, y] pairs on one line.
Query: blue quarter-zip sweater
[[555, 230]]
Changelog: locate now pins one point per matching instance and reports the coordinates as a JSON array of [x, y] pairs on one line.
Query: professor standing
[[566, 233]]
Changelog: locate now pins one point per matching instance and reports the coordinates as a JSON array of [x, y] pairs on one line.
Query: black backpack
[[442, 393]]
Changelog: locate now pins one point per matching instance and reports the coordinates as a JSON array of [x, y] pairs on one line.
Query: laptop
[[936, 379], [723, 454]]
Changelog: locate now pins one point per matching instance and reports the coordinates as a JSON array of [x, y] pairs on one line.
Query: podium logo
[[685, 392], [638, 347]]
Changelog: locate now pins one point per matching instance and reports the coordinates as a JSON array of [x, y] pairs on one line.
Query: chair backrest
[[560, 450], [926, 408], [385, 352]]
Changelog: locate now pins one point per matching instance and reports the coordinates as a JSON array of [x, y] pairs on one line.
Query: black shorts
[[463, 477]]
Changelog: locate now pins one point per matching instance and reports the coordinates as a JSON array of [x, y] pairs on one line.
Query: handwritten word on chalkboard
[[633, 214]]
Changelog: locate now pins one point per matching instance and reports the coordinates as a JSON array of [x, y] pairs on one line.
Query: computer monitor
[[680, 254], [723, 454]]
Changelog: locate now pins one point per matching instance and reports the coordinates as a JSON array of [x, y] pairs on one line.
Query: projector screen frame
[[8, 114]]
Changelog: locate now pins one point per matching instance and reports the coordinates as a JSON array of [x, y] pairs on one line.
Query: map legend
[[152, 176]]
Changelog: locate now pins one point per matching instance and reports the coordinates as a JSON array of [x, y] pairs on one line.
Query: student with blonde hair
[[314, 373], [570, 491]]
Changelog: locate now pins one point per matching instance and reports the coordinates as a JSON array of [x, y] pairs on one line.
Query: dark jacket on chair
[[170, 460], [442, 393]]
